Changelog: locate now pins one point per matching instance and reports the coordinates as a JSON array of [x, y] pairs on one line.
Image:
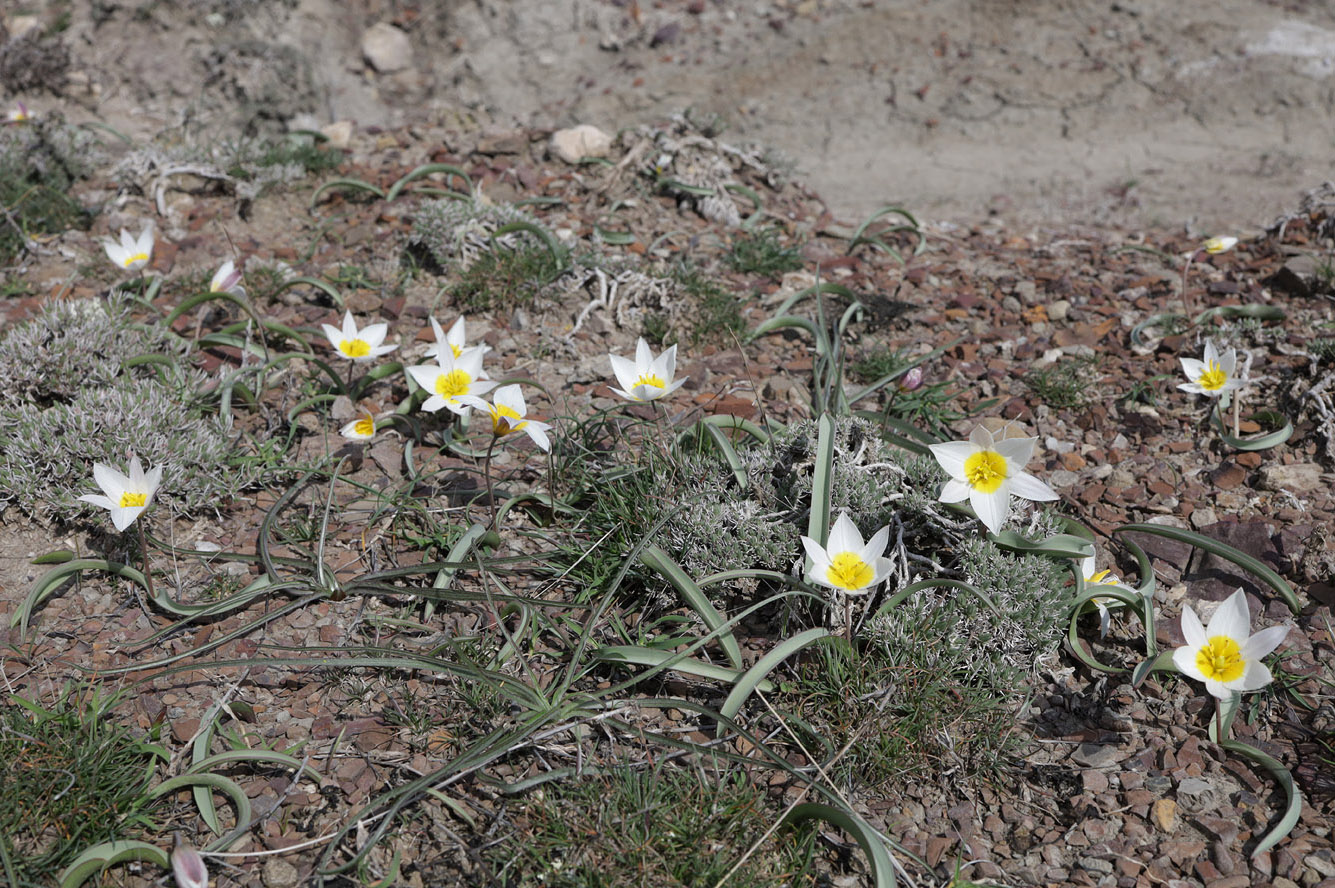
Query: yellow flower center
[[848, 571], [652, 379], [1215, 245], [137, 257], [355, 348], [1213, 378], [1220, 659], [456, 349], [500, 421], [453, 384], [985, 470], [364, 427], [133, 500]]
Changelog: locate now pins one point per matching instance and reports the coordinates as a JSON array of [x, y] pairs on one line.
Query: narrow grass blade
[[658, 560], [203, 795], [476, 535], [878, 856], [426, 170], [1293, 796], [97, 858], [763, 667], [1223, 550], [817, 290]]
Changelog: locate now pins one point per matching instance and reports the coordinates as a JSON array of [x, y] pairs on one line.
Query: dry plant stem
[[148, 568], [1237, 408]]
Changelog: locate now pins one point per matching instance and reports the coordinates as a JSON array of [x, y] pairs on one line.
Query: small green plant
[[39, 162], [73, 778], [661, 826], [1067, 384], [764, 252], [1323, 349], [715, 311], [503, 278]]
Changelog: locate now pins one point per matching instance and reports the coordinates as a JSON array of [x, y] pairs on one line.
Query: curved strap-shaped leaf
[[323, 286], [207, 763], [1059, 545], [356, 184], [878, 855], [1255, 311], [1257, 568], [1259, 442], [822, 482], [49, 581], [660, 660], [763, 667], [1158, 320], [658, 560], [426, 170], [97, 858], [549, 240], [817, 289], [222, 784], [1293, 807]]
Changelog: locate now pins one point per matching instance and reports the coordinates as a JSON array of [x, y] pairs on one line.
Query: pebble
[[1297, 478], [386, 49], [1164, 812], [278, 873], [578, 142]]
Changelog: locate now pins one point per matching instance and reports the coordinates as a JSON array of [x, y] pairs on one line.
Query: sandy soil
[[1150, 113]]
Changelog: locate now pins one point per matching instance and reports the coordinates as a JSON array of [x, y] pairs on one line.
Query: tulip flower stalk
[[1212, 247], [508, 414]]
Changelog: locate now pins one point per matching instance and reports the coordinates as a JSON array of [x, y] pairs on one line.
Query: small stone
[[1057, 311], [1094, 865], [1097, 755], [278, 873], [1164, 812], [339, 133], [1094, 781], [1297, 478], [1195, 794], [386, 48], [578, 142]]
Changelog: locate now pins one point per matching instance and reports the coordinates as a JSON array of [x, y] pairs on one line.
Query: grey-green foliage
[[715, 526], [73, 402], [453, 233]]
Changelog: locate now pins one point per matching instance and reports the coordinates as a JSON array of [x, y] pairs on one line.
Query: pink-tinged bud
[[188, 866], [911, 380]]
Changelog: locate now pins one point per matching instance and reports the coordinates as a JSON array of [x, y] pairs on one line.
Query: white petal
[[1184, 658], [426, 375], [349, 326], [112, 482], [952, 454], [98, 499], [981, 438], [1192, 630], [1255, 675], [1231, 619], [875, 547], [815, 552], [883, 567], [1263, 642], [991, 508], [1089, 566], [538, 432], [123, 518], [625, 372], [1026, 485], [433, 403], [152, 480], [1017, 452], [374, 334], [644, 358], [673, 387], [510, 396], [1218, 689], [666, 365], [333, 334], [955, 492], [1192, 368], [1211, 353], [844, 536], [456, 335]]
